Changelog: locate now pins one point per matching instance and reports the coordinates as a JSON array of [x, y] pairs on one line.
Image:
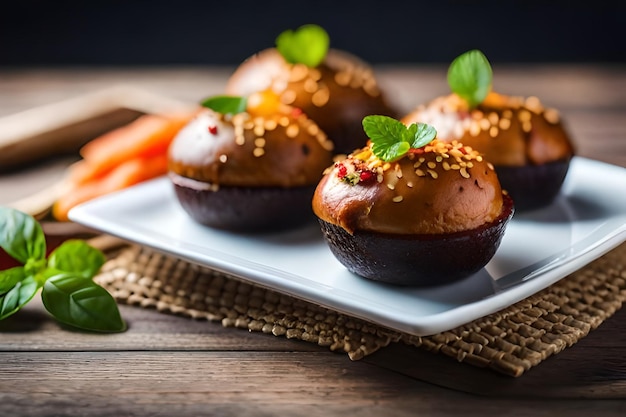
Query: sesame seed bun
[[248, 173], [422, 193], [526, 142], [337, 94]]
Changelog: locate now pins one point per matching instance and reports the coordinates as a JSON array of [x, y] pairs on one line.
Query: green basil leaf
[[77, 257], [18, 296], [306, 45], [423, 134], [10, 277], [21, 235], [81, 303], [470, 77], [226, 104]]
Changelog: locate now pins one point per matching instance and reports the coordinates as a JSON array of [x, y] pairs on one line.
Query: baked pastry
[[333, 87], [411, 211], [248, 168], [525, 141]]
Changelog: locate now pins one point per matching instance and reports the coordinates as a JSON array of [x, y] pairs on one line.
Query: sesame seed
[[310, 86], [397, 199], [446, 166], [420, 173], [474, 129], [320, 97], [258, 152], [493, 131], [298, 72], [431, 164], [284, 121], [524, 116], [551, 116], [288, 96], [223, 158], [533, 104], [391, 186], [270, 124], [313, 129], [315, 74], [292, 130], [259, 142], [527, 126], [409, 184], [433, 173], [342, 78], [259, 130], [464, 172], [504, 123]]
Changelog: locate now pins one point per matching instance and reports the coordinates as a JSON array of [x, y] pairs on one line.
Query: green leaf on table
[[470, 77], [306, 45], [10, 277], [21, 235], [81, 303], [18, 296], [77, 257], [392, 139]]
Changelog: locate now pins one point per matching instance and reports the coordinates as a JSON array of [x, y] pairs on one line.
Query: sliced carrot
[[149, 135], [124, 175]]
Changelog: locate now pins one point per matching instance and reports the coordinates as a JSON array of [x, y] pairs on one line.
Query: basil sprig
[[392, 139], [65, 277], [306, 45], [470, 77]]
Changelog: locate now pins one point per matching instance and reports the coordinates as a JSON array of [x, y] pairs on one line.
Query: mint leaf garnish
[[392, 139], [306, 45], [470, 77], [226, 104]]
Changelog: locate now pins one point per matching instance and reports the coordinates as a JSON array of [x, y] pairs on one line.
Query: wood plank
[[236, 383], [33, 329]]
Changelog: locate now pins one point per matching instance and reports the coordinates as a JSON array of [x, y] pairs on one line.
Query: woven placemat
[[510, 341]]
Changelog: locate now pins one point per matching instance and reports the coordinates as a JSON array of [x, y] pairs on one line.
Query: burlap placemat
[[510, 341]]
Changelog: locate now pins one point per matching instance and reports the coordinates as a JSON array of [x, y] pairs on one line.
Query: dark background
[[190, 32]]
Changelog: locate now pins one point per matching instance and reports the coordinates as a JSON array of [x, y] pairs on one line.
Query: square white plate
[[539, 248]]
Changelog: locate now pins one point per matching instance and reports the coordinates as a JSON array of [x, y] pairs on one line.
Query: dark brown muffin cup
[[418, 260], [533, 186], [248, 209]]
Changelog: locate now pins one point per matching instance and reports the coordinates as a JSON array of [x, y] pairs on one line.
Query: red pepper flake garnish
[[342, 171], [463, 150], [366, 176], [416, 151], [296, 111], [213, 130]]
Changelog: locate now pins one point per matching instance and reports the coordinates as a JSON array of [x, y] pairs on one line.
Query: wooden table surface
[[167, 365]]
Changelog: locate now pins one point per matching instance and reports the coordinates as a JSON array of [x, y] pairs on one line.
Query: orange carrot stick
[[127, 173], [147, 136]]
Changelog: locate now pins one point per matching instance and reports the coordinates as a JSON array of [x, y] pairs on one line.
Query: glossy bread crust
[[337, 94]]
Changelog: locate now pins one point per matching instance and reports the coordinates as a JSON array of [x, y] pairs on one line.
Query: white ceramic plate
[[539, 248]]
